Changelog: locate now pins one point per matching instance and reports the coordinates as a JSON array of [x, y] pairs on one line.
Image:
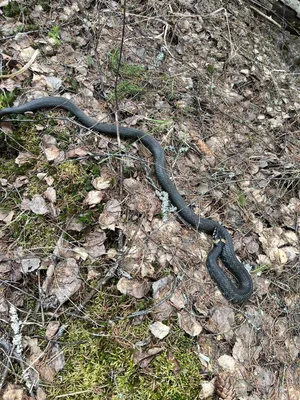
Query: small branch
[[270, 19]]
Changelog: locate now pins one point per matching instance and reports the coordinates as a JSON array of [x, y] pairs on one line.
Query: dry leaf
[[50, 194], [6, 216], [52, 329], [75, 225], [222, 321], [189, 324], [57, 358], [20, 181], [65, 282], [40, 394], [38, 205], [50, 149], [133, 287], [110, 215], [159, 330], [144, 358], [101, 183], [161, 289], [36, 362], [30, 264], [24, 158], [78, 152], [94, 243], [141, 198], [93, 197], [53, 83], [178, 299], [5, 269], [13, 392], [227, 363], [51, 152], [208, 389]]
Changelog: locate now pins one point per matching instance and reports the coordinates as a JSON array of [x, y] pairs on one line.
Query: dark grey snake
[[237, 292]]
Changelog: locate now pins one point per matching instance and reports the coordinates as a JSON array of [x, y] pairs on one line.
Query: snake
[[232, 279]]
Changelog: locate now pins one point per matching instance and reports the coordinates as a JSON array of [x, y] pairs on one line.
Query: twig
[[270, 19], [23, 69], [120, 239]]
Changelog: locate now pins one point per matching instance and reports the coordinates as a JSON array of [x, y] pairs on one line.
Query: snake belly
[[238, 291]]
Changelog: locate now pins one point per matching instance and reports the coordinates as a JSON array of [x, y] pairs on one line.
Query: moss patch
[[101, 364]]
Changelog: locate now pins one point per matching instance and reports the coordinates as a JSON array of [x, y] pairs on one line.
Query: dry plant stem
[[120, 239], [23, 69], [270, 19]]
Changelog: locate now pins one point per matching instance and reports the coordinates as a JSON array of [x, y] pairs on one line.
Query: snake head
[[217, 237]]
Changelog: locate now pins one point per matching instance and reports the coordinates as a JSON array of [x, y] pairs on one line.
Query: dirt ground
[[90, 248]]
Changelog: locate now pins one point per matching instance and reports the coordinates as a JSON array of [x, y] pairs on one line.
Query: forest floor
[[104, 292]]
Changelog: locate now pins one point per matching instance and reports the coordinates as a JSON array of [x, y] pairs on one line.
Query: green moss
[[101, 364], [32, 232]]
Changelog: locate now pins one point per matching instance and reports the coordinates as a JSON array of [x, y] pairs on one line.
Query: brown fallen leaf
[[144, 358], [133, 287], [40, 394], [111, 214], [141, 198], [159, 330], [77, 152], [161, 289], [222, 321], [94, 243], [93, 197], [65, 281], [37, 205], [50, 149], [101, 182], [50, 194], [6, 216], [20, 181], [227, 363], [24, 158], [188, 323], [37, 365], [57, 358], [13, 392], [52, 329], [30, 264]]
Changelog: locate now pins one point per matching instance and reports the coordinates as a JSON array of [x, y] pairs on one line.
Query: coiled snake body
[[237, 292]]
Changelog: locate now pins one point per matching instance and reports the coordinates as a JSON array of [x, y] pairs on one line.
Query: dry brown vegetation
[[104, 289]]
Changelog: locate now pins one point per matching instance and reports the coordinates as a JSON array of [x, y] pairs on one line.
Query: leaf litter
[[237, 164]]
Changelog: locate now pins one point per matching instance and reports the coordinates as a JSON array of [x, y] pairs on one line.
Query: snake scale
[[238, 291]]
